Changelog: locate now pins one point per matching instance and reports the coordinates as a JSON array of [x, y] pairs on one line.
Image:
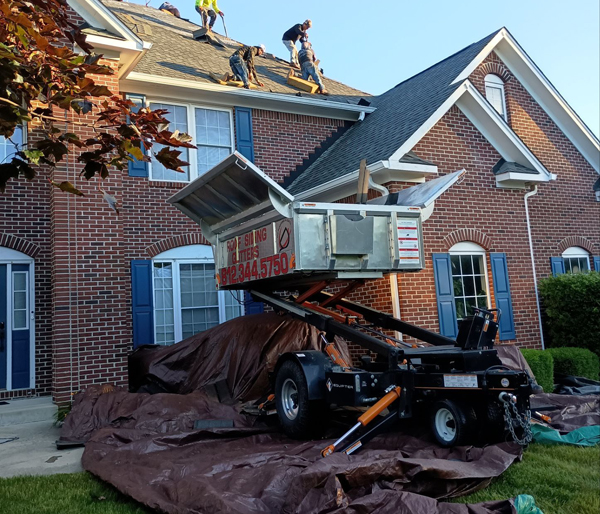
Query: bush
[[575, 361], [572, 310], [542, 365]]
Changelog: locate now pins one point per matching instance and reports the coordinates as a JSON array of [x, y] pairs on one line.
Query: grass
[[562, 479], [74, 493]]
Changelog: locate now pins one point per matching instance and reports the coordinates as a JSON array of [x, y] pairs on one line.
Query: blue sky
[[374, 45]]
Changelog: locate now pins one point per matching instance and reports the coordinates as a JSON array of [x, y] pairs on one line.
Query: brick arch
[[582, 242], [495, 68], [468, 234], [174, 242], [19, 244]]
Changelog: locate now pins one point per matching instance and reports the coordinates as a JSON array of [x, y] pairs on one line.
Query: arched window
[[469, 278], [186, 300], [576, 260], [494, 92]]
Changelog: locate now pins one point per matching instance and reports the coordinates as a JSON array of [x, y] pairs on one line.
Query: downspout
[[537, 297]]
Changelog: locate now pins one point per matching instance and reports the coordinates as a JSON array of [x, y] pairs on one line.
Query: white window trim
[[576, 252], [22, 144], [469, 248], [495, 82], [10, 257], [191, 123], [169, 257]]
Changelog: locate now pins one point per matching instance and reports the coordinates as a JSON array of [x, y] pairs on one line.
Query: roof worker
[[170, 8], [292, 35], [208, 9], [307, 62], [242, 64]]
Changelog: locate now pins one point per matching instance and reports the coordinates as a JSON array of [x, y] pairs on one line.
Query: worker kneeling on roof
[[309, 69], [293, 34], [242, 64], [208, 9]]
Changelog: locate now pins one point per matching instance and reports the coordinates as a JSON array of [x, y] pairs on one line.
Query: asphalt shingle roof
[[400, 112], [503, 166], [176, 54]]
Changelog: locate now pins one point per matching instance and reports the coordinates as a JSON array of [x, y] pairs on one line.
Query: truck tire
[[453, 423], [300, 417]]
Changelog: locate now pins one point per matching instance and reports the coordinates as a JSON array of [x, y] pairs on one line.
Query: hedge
[[575, 361], [571, 304], [542, 365]]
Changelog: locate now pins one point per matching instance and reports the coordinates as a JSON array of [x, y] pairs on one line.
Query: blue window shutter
[[141, 302], [243, 132], [444, 291], [252, 307], [137, 168], [597, 263], [558, 265], [503, 298]]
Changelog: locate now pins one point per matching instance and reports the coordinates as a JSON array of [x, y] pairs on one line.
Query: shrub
[[575, 361], [572, 310], [542, 365]]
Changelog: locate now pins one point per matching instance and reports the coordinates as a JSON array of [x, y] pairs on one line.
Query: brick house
[[85, 286]]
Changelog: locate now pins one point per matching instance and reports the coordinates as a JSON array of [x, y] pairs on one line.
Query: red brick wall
[[282, 140], [562, 209], [474, 210]]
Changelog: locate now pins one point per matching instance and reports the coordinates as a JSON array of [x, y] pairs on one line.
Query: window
[[211, 131], [186, 300], [7, 147], [494, 92], [576, 260], [469, 278]]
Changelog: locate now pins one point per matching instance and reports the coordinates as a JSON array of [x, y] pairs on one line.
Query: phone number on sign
[[271, 266]]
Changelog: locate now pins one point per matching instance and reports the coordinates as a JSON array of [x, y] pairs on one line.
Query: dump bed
[[264, 239]]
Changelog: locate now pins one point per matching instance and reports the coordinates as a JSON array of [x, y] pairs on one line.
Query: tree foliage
[[46, 78]]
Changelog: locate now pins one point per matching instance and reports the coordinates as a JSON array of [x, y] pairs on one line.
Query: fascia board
[[110, 43], [521, 177], [169, 87], [546, 95], [423, 129], [380, 172], [96, 13], [495, 129], [472, 66]]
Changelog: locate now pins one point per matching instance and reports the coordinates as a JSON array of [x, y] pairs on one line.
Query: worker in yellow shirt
[[208, 9]]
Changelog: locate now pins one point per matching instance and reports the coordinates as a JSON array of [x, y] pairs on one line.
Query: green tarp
[[584, 436]]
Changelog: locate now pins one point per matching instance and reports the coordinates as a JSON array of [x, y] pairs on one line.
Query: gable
[[532, 124]]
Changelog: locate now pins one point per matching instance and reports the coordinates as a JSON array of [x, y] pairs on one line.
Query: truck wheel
[[452, 423], [300, 418]]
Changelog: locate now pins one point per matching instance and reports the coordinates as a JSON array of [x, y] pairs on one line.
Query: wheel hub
[[289, 398], [445, 424]]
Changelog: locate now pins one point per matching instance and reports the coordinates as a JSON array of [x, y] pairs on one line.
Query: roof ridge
[[489, 36]]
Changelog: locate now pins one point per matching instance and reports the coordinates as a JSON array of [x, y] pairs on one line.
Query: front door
[[15, 326], [3, 342]]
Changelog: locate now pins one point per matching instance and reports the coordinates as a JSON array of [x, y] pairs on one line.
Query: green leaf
[[33, 155]]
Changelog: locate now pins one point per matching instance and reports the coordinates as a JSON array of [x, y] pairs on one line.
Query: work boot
[[323, 91]]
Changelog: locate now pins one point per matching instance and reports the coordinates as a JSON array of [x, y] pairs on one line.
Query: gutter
[[537, 297], [238, 93]]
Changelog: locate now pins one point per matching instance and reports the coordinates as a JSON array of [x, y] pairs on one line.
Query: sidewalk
[[34, 452]]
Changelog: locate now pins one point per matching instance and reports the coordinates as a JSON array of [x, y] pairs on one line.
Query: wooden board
[[224, 80], [303, 85]]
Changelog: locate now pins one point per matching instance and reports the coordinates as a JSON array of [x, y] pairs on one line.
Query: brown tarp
[[240, 353], [145, 445], [567, 412]]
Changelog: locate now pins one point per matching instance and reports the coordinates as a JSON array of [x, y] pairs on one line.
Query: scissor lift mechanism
[[266, 241]]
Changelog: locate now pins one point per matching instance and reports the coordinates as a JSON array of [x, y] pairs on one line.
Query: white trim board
[[542, 91], [216, 94]]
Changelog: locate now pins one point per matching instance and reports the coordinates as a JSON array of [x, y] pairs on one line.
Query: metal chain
[[524, 421]]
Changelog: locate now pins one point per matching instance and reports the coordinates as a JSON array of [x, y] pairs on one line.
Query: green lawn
[[562, 479]]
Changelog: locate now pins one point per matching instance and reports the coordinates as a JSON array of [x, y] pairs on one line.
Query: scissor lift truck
[[265, 241]]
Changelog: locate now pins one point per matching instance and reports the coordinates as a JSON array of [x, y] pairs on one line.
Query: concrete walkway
[[34, 452]]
